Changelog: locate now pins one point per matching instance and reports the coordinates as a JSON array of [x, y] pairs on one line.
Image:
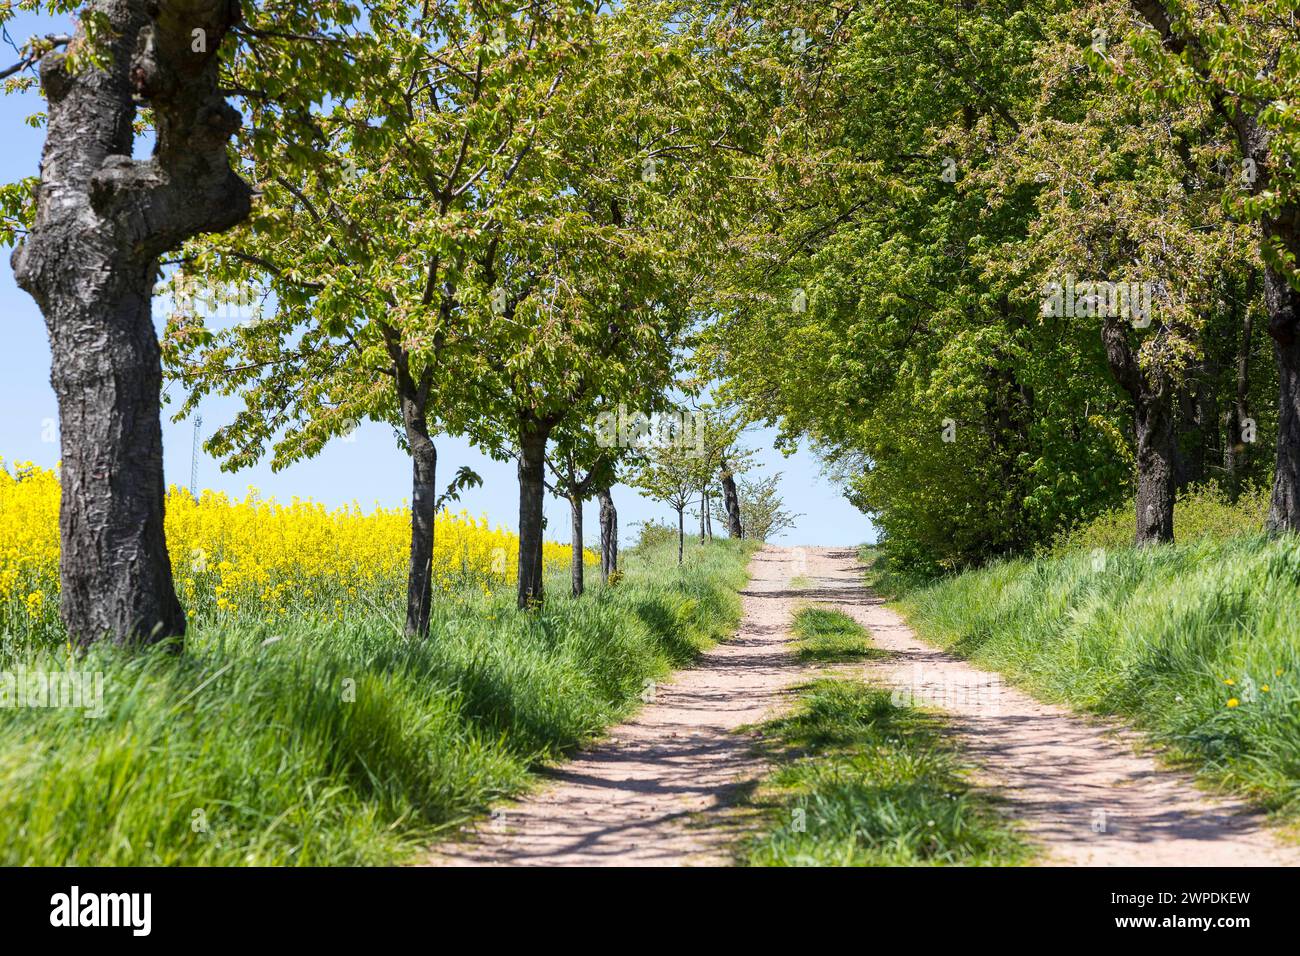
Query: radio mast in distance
[[194, 458]]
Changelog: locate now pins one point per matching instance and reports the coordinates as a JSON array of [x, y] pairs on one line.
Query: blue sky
[[369, 468]]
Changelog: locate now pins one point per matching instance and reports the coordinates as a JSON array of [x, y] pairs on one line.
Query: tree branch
[[36, 48]]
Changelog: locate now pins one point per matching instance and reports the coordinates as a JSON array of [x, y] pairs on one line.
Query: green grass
[[1196, 644], [862, 781], [342, 743], [829, 636], [1201, 512]]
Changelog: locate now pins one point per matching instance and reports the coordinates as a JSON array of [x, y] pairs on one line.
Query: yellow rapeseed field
[[254, 556]]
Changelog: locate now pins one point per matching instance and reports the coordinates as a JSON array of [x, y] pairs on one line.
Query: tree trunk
[[731, 501], [532, 489], [608, 534], [1283, 311], [1154, 423], [424, 496], [1236, 455], [575, 505], [703, 519], [90, 262], [681, 532], [1155, 466]]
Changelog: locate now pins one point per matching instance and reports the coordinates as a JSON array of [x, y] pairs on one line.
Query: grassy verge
[[863, 781], [341, 743], [1198, 645]]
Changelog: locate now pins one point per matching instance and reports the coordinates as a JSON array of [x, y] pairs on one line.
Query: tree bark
[[1283, 311], [532, 489], [1155, 467], [575, 505], [608, 534], [681, 533], [1154, 424], [1236, 457], [731, 501], [90, 261], [424, 497]]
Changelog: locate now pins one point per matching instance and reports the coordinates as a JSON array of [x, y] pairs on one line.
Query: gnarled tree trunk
[[608, 534], [90, 261]]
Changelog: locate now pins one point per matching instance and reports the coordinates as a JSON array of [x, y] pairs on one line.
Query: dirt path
[[1080, 787], [658, 790], [629, 800]]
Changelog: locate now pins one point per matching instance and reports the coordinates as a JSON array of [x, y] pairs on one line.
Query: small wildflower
[[1233, 702]]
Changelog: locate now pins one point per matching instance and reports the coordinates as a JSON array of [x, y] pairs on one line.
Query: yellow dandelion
[[1233, 702]]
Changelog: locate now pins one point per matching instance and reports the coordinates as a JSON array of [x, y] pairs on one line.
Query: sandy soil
[[658, 791]]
